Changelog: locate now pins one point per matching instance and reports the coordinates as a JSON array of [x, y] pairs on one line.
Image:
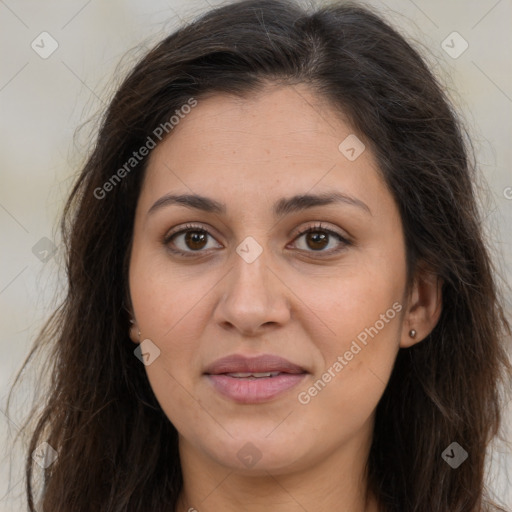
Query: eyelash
[[317, 227]]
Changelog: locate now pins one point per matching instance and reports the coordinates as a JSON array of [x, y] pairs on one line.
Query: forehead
[[281, 141], [282, 120]]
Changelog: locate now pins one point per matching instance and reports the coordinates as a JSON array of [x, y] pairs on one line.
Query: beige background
[[43, 101]]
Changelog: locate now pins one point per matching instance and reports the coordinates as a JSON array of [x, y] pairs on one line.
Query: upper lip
[[260, 364]]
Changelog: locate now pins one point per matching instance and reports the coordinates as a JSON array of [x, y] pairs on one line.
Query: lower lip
[[254, 391]]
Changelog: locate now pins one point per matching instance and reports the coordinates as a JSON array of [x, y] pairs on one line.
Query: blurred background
[[61, 61]]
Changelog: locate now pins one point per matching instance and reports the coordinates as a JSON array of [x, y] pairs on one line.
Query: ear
[[134, 329], [424, 307], [134, 333]]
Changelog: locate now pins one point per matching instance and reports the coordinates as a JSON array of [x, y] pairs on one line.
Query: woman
[[279, 292]]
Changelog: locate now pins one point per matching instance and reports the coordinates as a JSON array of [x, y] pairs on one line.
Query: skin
[[291, 301]]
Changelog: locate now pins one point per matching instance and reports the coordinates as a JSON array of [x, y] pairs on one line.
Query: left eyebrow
[[282, 207]]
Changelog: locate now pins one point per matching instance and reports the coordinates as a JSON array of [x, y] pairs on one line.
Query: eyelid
[[184, 228], [320, 226]]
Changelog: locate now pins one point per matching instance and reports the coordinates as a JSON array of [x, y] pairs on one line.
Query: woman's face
[[244, 282]]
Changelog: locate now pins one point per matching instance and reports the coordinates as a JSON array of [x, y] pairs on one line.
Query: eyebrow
[[282, 207]]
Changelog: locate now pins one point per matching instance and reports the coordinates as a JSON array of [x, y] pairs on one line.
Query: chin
[[253, 455]]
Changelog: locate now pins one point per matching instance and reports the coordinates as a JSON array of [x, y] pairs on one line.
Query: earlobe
[[424, 310], [134, 332]]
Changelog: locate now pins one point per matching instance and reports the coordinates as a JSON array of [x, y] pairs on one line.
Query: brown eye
[[188, 240], [317, 238], [195, 240]]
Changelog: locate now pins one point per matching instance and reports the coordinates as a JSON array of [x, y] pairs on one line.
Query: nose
[[253, 298]]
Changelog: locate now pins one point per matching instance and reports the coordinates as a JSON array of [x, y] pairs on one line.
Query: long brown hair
[[117, 451]]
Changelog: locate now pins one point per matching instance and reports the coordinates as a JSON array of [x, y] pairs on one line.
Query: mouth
[[254, 375], [253, 380]]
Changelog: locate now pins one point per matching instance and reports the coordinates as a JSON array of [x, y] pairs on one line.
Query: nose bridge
[[252, 266], [253, 294]]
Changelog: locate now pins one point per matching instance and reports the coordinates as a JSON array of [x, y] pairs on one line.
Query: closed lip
[[263, 363]]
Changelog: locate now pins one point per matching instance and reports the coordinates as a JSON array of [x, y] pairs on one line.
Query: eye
[[193, 239], [317, 237]]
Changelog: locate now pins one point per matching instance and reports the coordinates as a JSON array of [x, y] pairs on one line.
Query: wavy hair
[[117, 449]]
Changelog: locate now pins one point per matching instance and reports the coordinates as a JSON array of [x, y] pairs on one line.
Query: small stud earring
[[412, 333]]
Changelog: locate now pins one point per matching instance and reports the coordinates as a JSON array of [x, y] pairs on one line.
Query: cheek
[[360, 300], [357, 364], [357, 329], [169, 312], [166, 298], [174, 393]]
